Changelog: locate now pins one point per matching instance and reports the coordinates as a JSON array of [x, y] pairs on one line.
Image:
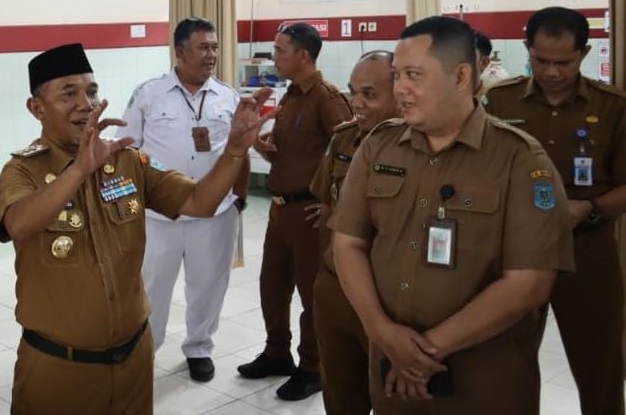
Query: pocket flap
[[478, 198], [381, 185]]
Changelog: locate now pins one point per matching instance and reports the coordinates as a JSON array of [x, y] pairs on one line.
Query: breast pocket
[[382, 194], [478, 213], [62, 244], [127, 216], [219, 126], [162, 115]]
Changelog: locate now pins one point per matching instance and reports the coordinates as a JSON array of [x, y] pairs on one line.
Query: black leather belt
[[303, 196], [110, 356]]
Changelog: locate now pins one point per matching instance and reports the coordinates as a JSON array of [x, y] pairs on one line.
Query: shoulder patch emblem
[[156, 164], [31, 150], [544, 195]]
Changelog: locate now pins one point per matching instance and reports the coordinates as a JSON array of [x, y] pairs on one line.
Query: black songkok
[[57, 62]]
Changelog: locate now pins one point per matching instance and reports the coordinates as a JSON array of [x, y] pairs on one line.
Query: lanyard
[[198, 116]]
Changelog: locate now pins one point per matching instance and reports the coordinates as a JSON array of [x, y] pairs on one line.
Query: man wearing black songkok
[[73, 205]]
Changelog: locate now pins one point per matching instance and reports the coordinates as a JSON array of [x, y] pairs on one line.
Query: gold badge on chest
[[75, 219], [62, 246]]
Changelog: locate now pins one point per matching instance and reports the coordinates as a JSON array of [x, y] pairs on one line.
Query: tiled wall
[[117, 71]]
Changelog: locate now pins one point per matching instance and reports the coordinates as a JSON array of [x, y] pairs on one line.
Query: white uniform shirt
[[160, 121]]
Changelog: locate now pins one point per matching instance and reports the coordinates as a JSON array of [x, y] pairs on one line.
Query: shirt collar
[[582, 88], [307, 84], [470, 135], [61, 157], [174, 82]]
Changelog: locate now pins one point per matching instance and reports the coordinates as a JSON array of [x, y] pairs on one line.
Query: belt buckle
[[279, 200], [118, 356]]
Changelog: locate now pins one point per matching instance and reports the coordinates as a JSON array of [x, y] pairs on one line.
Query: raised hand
[[93, 151], [247, 121]]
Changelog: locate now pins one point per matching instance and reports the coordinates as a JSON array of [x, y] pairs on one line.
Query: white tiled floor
[[240, 337]]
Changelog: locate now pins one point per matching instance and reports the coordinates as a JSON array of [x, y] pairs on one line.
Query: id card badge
[[201, 139], [441, 247], [583, 171]]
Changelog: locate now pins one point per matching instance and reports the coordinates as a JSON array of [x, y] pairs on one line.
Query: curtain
[[618, 77], [223, 15], [419, 9]]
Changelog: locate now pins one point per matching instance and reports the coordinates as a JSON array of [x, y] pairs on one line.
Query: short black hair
[[483, 44], [554, 21], [452, 39], [303, 36], [186, 27]]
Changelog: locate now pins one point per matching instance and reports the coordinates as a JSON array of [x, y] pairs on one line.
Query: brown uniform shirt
[[511, 212], [596, 107], [94, 297], [332, 171], [302, 131]]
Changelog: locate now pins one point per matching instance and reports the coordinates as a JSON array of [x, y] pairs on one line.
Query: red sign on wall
[[320, 24]]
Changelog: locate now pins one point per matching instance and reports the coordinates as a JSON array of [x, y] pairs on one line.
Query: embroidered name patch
[[343, 157], [389, 170]]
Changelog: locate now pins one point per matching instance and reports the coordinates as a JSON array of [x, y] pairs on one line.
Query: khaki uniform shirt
[[511, 212], [302, 131], [596, 107], [332, 171], [92, 296]]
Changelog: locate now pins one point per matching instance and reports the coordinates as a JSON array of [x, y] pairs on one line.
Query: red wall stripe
[[92, 36], [496, 25]]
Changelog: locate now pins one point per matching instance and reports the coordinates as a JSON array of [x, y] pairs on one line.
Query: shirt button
[[377, 189], [423, 203], [551, 142], [555, 113], [404, 286], [424, 226], [414, 245], [193, 157], [433, 161], [468, 202]]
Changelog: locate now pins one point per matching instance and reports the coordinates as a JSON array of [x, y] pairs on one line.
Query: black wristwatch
[[595, 217], [240, 204]]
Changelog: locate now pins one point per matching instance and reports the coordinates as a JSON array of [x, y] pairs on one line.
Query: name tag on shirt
[[441, 248], [583, 171], [201, 139]]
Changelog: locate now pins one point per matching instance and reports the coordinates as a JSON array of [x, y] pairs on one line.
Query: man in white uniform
[[183, 119]]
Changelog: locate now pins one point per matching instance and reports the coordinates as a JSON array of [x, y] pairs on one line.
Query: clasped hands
[[414, 360]]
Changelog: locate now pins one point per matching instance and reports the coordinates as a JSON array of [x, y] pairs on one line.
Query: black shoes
[[201, 369], [300, 385], [264, 366]]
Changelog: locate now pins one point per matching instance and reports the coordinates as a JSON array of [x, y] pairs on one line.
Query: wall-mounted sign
[[320, 24]]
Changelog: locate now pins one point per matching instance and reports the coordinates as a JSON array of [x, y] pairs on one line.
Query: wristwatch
[[240, 203], [595, 217]]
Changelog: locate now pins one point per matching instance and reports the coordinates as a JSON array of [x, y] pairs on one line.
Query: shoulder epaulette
[[531, 141], [330, 87], [508, 82], [607, 88], [391, 122], [31, 150], [344, 125]]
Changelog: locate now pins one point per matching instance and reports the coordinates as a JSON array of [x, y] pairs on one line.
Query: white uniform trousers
[[206, 248]]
